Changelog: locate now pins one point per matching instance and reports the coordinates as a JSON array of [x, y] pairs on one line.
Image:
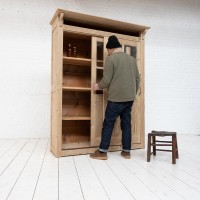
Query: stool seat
[[153, 142]]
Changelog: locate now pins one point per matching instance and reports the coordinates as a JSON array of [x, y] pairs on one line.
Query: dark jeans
[[113, 110]]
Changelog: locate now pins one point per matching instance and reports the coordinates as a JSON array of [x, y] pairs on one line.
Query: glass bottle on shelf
[[75, 52], [69, 51]]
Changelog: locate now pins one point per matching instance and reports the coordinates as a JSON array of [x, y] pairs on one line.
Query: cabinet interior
[[76, 76], [75, 134], [76, 104], [81, 42]]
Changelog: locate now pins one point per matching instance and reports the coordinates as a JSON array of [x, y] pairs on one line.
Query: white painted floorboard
[[25, 185], [112, 185], [28, 170], [48, 178], [69, 185]]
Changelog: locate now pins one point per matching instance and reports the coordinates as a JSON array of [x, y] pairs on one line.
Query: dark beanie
[[113, 42]]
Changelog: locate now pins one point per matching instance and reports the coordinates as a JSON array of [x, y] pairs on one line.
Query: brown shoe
[[126, 155], [99, 155]]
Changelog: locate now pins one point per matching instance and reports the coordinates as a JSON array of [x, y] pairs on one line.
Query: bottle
[[69, 51], [74, 52]]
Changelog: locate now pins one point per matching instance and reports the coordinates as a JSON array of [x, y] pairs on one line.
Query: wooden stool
[[154, 143]]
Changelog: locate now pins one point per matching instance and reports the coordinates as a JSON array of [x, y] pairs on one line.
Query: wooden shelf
[[76, 118], [76, 106], [76, 61], [100, 68], [76, 145], [75, 134], [76, 88]]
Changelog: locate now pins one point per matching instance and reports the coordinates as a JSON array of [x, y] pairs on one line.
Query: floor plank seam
[[28, 170], [40, 170], [120, 180], [58, 179], [160, 180], [78, 177], [8, 148], [14, 158], [98, 177], [139, 179], [22, 170]]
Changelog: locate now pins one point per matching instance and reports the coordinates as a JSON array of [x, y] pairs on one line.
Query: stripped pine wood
[[30, 171], [76, 75]]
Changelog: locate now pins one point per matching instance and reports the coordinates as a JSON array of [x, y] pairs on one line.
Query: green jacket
[[121, 77]]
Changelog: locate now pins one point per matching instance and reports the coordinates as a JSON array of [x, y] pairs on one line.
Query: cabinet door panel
[[97, 108], [133, 48], [99, 99]]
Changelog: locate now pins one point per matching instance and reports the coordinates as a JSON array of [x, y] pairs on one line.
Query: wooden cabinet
[[78, 57]]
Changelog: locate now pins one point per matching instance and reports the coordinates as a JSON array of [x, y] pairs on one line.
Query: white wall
[[172, 73]]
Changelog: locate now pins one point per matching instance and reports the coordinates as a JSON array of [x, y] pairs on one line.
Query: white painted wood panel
[[69, 185], [5, 145], [130, 180], [47, 185], [13, 172], [91, 186], [28, 178], [10, 153], [35, 173], [162, 190], [115, 189], [170, 179]]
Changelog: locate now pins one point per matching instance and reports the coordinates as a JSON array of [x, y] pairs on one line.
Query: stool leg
[[173, 150], [177, 156], [154, 145], [149, 148]]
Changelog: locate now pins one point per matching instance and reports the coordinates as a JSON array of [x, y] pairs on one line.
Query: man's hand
[[95, 86]]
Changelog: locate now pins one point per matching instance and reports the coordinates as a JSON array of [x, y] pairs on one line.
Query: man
[[121, 78]]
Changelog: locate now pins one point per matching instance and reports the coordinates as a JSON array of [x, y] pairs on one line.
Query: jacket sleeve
[[107, 74], [137, 79]]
